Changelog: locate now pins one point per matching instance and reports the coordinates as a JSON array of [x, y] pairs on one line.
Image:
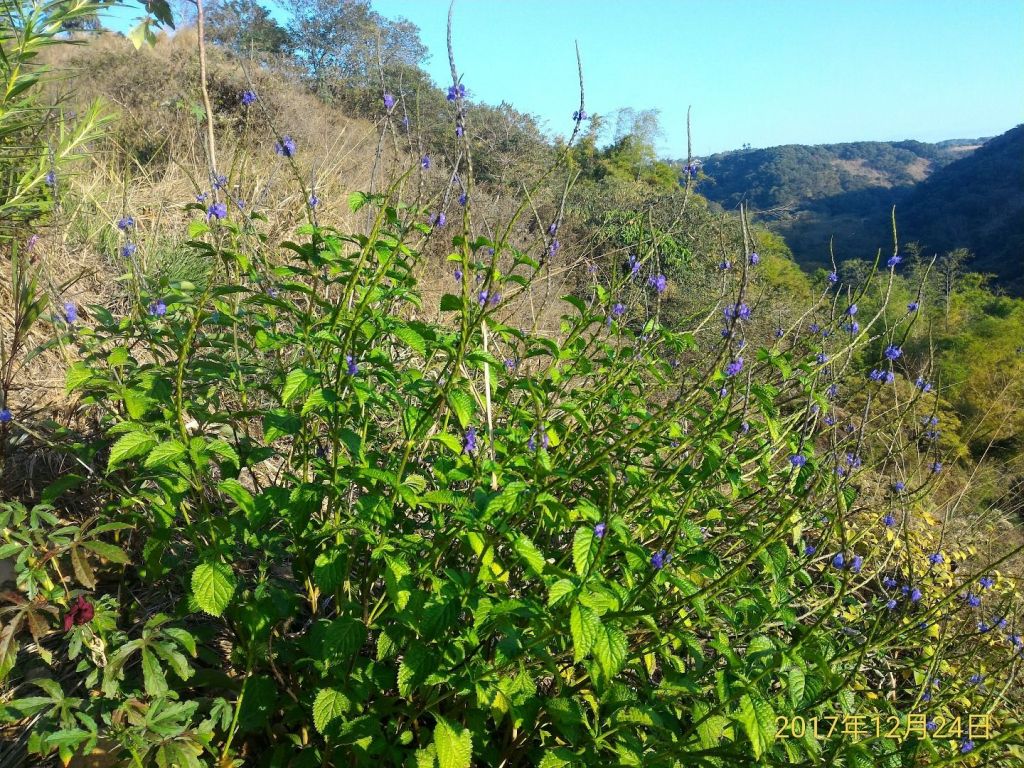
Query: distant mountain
[[956, 193], [976, 203]]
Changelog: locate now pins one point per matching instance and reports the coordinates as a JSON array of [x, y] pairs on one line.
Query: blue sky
[[763, 72]]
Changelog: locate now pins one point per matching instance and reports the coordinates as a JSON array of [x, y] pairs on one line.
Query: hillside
[[976, 203], [840, 191]]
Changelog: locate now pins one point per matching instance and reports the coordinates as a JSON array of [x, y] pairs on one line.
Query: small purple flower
[[482, 298], [851, 310], [987, 582], [810, 549], [891, 603], [510, 364], [798, 460], [889, 520], [658, 282], [201, 197], [889, 582], [459, 131], [425, 162], [438, 219], [913, 306], [469, 441], [936, 558], [285, 146], [853, 327], [966, 746], [923, 385], [893, 352], [618, 309], [125, 223], [219, 182], [893, 261], [931, 725], [976, 679], [463, 199], [5, 415], [830, 421], [553, 248], [158, 308], [822, 358], [899, 486], [725, 265], [659, 559], [838, 561], [457, 274], [248, 97], [216, 211], [352, 367], [128, 250], [314, 201], [779, 333], [973, 600], [857, 563], [983, 627], [599, 530], [70, 312], [755, 258], [456, 92], [737, 312], [937, 467], [51, 178], [814, 328], [389, 102], [733, 368], [833, 277], [579, 115], [832, 392], [915, 595]]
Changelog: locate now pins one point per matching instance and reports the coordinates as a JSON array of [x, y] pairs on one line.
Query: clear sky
[[763, 72]]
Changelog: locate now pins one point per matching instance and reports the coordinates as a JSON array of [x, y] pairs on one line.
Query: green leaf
[[295, 383], [356, 201], [462, 405], [796, 687], [130, 446], [152, 674], [758, 720], [581, 545], [111, 552], [454, 745], [451, 303], [528, 551], [329, 705], [611, 649], [213, 585], [77, 375], [412, 339], [585, 627], [165, 453], [559, 589], [344, 637]]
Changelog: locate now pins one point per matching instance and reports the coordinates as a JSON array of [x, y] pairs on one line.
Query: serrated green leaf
[[213, 585], [295, 383], [529, 553], [165, 453], [796, 687], [585, 627], [758, 721], [329, 705], [611, 649], [581, 546], [559, 589], [454, 745], [130, 446]]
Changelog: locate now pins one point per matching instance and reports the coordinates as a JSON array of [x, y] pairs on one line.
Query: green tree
[[245, 26]]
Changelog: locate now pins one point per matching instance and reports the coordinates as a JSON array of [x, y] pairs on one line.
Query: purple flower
[[659, 559], [353, 368], [425, 162], [893, 352], [832, 392], [915, 595], [456, 92], [158, 308], [779, 333], [553, 248], [201, 197], [457, 274], [833, 277], [976, 679], [899, 486], [936, 558], [125, 223], [894, 260], [822, 358], [219, 182], [797, 459], [618, 309], [853, 327], [889, 520], [891, 603], [5, 415], [658, 282], [755, 259], [285, 146], [50, 178], [463, 199], [973, 600], [966, 746], [469, 441], [810, 549], [216, 211], [438, 219], [733, 368], [482, 298], [814, 328], [912, 306], [851, 310], [838, 561], [923, 385], [937, 467], [737, 312], [510, 364], [248, 97], [725, 265], [579, 115], [70, 312], [314, 201], [389, 102], [128, 250], [889, 582], [599, 530], [987, 582], [855, 566], [459, 131]]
